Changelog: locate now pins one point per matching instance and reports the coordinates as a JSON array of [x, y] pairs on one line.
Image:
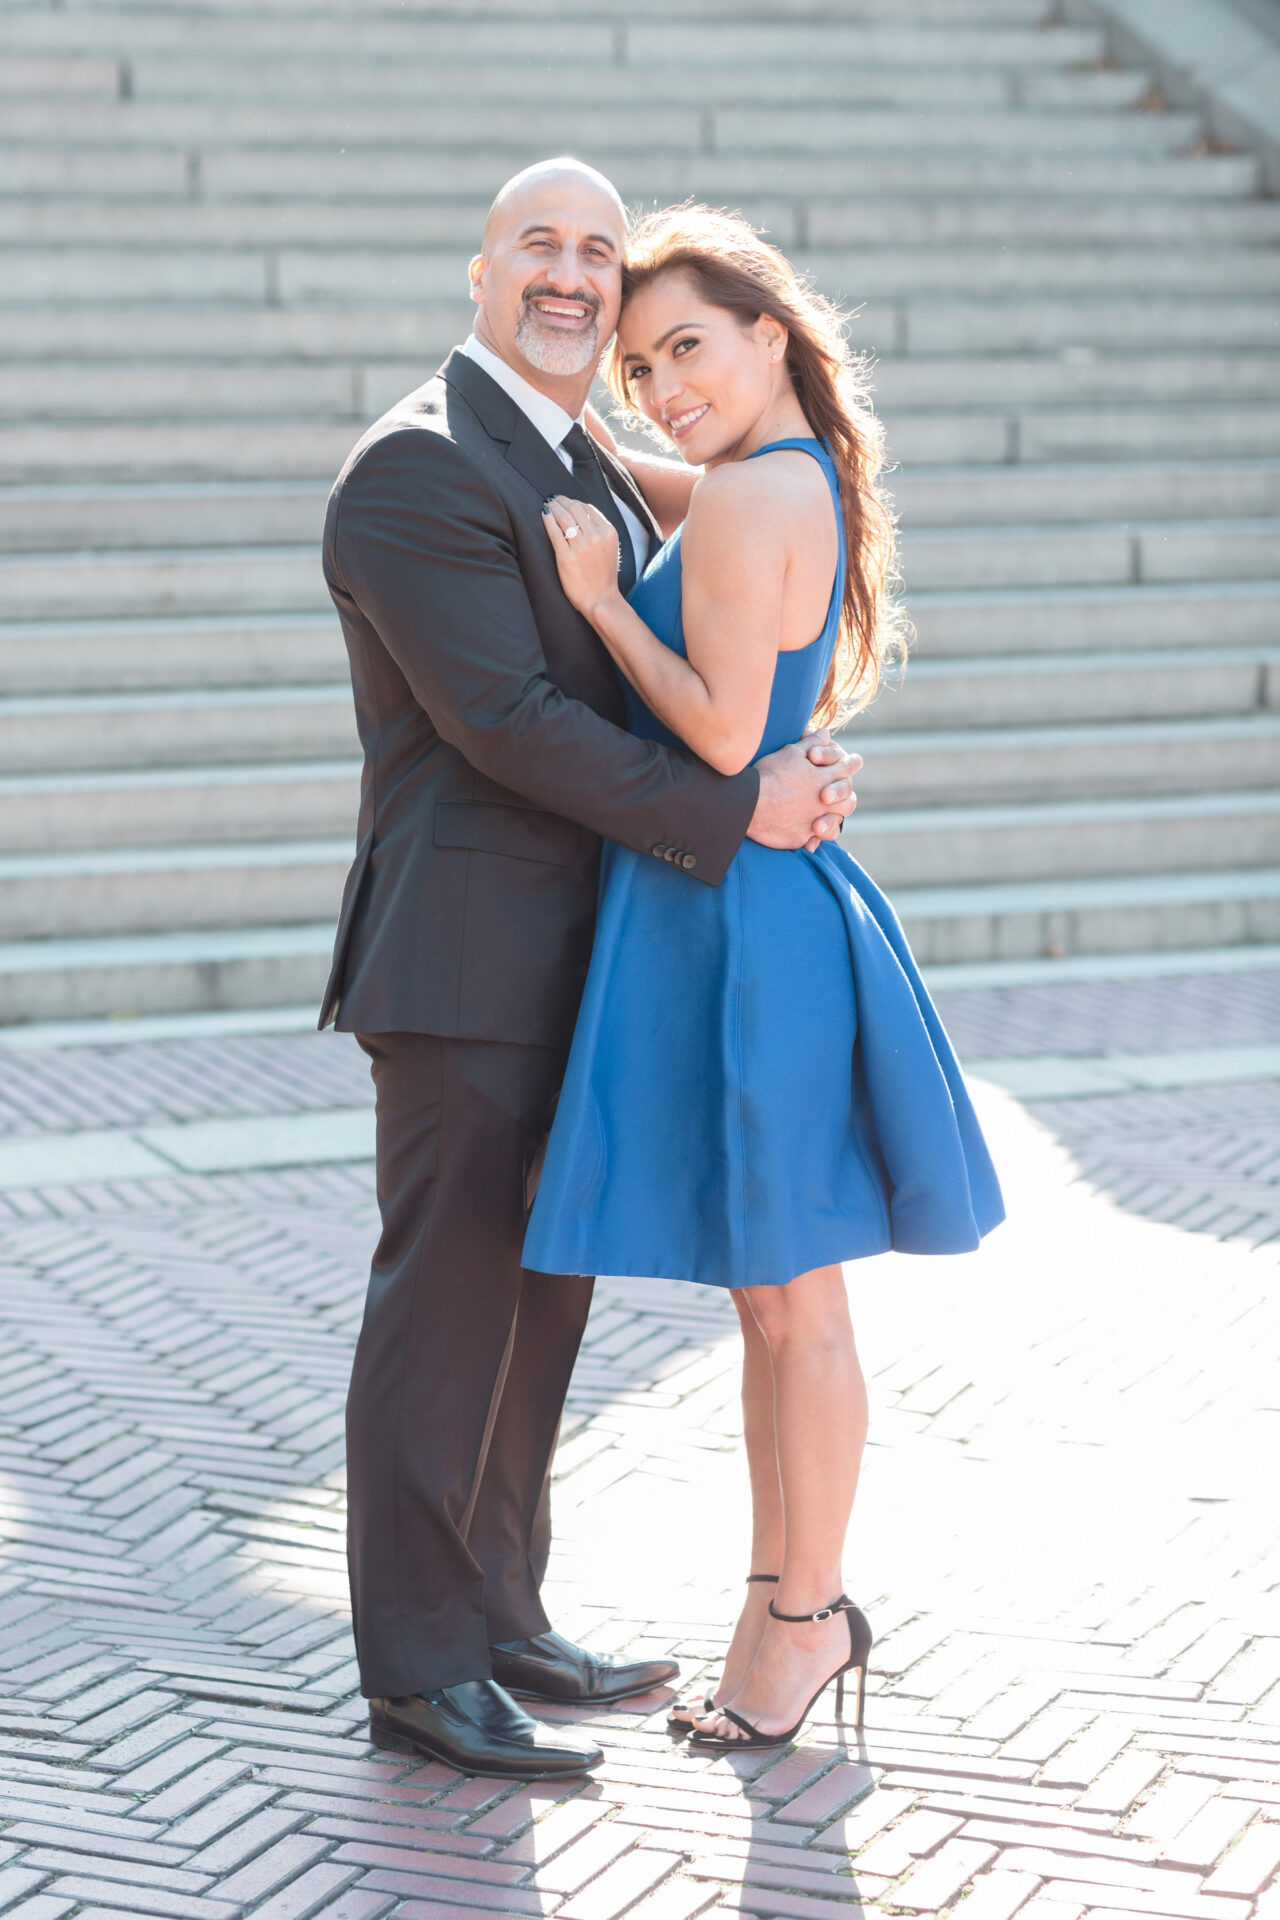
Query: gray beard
[[552, 352]]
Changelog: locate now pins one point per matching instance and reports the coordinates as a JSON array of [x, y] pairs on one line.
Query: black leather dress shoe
[[549, 1667], [478, 1728]]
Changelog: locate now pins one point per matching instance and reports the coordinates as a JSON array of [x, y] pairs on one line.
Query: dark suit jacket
[[491, 721]]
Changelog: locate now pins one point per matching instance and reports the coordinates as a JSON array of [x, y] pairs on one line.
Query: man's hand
[[806, 794]]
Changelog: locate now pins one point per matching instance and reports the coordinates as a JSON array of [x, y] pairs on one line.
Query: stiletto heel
[[859, 1654], [676, 1725]]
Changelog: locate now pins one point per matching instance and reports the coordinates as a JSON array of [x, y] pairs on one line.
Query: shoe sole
[[390, 1742], [596, 1700]]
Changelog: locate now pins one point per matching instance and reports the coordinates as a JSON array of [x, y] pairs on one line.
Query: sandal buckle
[[823, 1613]]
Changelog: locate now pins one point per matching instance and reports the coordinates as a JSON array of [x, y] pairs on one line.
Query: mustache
[[583, 298]]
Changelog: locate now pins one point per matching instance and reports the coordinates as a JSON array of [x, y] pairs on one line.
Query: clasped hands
[[806, 789]]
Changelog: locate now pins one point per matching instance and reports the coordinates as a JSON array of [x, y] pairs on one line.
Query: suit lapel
[[626, 489], [540, 465], [527, 451]]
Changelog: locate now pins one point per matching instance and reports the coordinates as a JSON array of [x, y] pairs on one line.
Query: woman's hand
[[586, 550]]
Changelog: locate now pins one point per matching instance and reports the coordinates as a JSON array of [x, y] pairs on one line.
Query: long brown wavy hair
[[738, 271]]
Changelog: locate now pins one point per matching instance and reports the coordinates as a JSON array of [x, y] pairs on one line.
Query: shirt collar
[[551, 421]]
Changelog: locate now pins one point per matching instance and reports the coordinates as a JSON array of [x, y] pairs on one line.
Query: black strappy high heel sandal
[[675, 1725], [859, 1654]]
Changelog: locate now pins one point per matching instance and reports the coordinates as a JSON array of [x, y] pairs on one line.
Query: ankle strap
[[771, 1578], [843, 1605]]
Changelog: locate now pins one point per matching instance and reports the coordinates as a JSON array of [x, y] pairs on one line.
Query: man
[[494, 762]]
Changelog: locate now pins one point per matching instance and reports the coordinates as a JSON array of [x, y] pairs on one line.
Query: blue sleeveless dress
[[758, 1082]]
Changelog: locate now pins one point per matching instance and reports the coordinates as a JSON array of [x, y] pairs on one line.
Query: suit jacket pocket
[[485, 826]]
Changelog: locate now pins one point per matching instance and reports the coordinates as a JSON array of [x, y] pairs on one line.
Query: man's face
[[549, 282]]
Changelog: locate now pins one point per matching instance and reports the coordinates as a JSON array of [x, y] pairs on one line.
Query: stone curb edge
[[1203, 54]]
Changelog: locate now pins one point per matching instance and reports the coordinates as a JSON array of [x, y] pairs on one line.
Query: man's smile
[[563, 313]]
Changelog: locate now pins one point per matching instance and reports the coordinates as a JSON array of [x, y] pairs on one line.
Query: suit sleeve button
[[659, 852], [688, 861], [672, 855]]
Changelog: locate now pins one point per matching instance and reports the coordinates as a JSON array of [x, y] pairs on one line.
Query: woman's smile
[[681, 423]]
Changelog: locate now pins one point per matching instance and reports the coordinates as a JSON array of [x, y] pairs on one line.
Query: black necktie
[[592, 486]]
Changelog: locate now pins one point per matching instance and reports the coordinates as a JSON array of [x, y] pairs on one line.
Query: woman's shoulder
[[781, 473], [757, 497]]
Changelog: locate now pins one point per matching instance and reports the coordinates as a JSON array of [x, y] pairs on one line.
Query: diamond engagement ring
[[572, 531]]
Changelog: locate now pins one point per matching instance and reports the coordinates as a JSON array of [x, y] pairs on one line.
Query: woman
[[758, 1087]]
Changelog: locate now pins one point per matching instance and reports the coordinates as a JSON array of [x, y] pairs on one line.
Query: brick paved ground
[[1066, 1538]]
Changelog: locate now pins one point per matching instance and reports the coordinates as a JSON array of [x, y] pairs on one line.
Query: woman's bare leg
[[766, 1502], [820, 1427]]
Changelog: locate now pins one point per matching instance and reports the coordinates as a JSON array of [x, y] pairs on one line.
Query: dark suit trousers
[[461, 1367]]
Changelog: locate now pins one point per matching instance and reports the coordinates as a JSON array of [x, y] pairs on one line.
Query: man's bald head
[[572, 177], [548, 277]]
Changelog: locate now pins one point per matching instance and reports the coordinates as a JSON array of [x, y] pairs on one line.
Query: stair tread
[[1048, 896], [1028, 813], [98, 950], [122, 860], [1116, 733], [1037, 269]]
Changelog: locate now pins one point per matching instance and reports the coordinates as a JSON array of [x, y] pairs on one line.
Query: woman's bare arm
[[734, 568], [667, 485]]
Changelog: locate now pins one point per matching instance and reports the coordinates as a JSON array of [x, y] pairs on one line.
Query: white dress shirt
[[552, 422]]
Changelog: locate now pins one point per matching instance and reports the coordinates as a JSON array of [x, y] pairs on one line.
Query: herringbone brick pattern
[[1205, 1159], [1066, 1540]]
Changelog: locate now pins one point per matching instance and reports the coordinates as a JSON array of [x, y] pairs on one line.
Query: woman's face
[[695, 370]]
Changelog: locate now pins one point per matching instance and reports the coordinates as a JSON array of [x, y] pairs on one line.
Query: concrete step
[[196, 336], [226, 580], [1047, 492], [1097, 555], [932, 445], [162, 653], [336, 85], [68, 76], [167, 807], [156, 890], [967, 726], [1128, 433], [832, 222], [992, 764], [267, 966], [288, 579], [1136, 913], [1075, 272], [85, 732], [823, 222], [230, 123], [44, 516], [892, 38], [398, 174], [1017, 690], [1016, 325], [920, 12], [396, 327], [947, 42], [177, 513], [138, 393], [903, 845], [155, 78], [291, 276], [633, 123], [1064, 839], [1071, 376], [915, 395], [980, 621], [273, 965]]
